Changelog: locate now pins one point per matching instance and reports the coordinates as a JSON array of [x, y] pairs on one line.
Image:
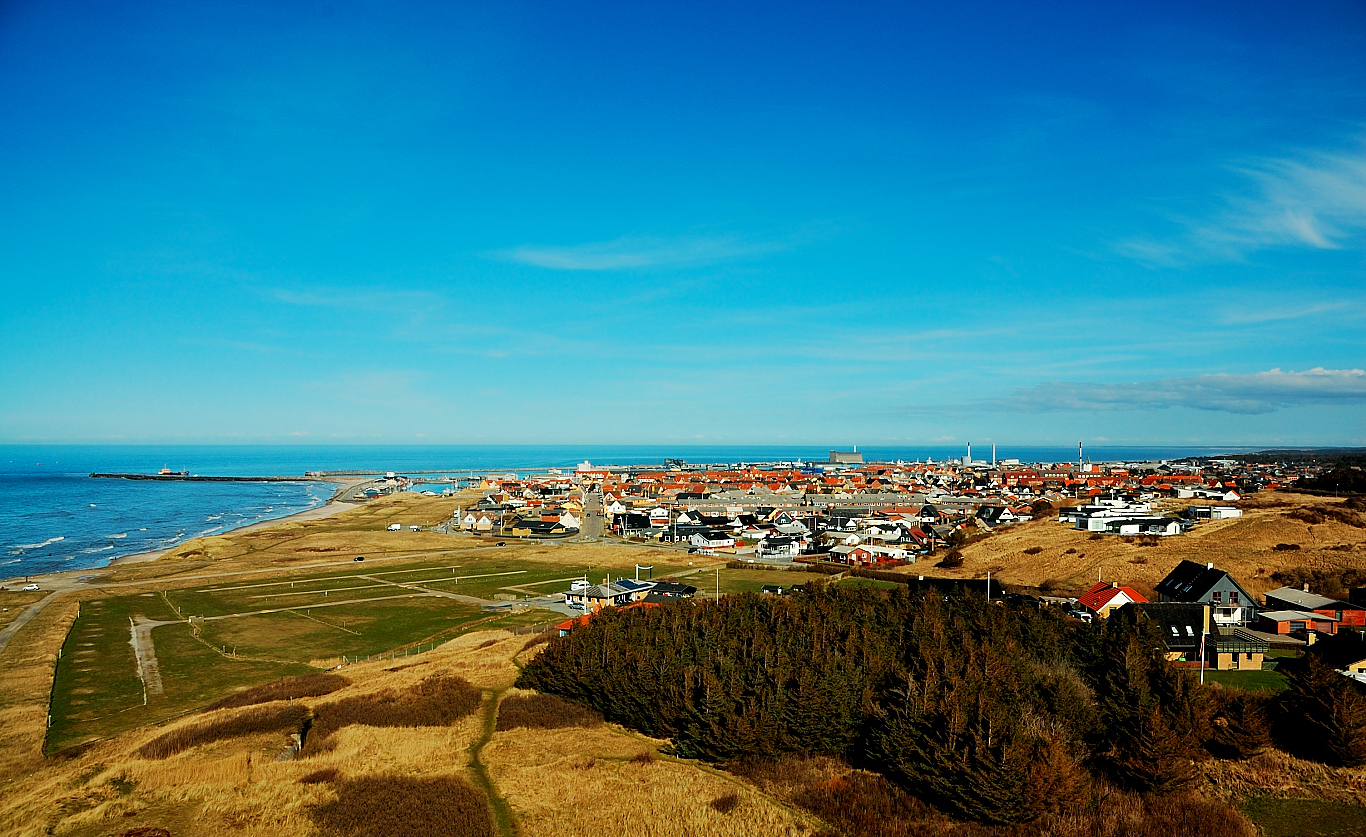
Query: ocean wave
[[119, 535], [93, 506], [7, 563], [97, 549], [207, 531], [24, 547], [212, 517]]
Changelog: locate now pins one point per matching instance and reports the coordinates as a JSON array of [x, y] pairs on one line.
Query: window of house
[[1233, 597], [1218, 597]]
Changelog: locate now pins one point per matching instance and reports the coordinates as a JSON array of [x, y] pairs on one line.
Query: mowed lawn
[[97, 693], [1251, 681]]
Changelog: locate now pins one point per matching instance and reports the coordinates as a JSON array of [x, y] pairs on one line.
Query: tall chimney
[[1210, 565]]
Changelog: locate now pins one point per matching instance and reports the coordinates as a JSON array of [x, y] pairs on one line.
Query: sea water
[[55, 517]]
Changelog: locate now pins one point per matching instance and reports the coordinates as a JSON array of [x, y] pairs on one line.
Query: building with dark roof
[[1192, 583]]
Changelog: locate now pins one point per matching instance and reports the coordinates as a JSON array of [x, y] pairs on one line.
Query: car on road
[[31, 587], [359, 558], [395, 527], [502, 543]]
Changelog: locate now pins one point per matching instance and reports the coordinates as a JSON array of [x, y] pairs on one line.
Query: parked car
[[31, 587], [581, 584], [394, 527], [359, 558]]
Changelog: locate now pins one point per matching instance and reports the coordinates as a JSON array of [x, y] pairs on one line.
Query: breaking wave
[[24, 547]]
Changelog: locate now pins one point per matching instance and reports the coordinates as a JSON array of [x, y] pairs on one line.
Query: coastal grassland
[[203, 663], [356, 630], [606, 781], [96, 691], [13, 602], [1245, 546], [1286, 796], [28, 663], [226, 782]]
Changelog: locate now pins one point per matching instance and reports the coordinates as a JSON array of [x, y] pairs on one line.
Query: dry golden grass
[[28, 664], [233, 786], [1274, 773], [569, 781], [1243, 546]]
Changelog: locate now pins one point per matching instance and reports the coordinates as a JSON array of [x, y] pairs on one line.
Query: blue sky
[[637, 223]]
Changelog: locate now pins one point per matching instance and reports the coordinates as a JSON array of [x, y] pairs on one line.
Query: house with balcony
[[1193, 583]]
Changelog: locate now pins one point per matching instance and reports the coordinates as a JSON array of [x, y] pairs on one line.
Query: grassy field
[[1305, 817], [273, 617], [1251, 681], [96, 690]]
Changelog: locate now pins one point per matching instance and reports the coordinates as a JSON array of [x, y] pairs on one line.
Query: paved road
[[592, 527], [8, 632]]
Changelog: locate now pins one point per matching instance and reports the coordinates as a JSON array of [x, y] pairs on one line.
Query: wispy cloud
[[636, 253], [1315, 200], [1260, 392]]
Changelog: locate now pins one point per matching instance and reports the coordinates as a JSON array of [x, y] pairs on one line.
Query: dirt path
[[148, 669]]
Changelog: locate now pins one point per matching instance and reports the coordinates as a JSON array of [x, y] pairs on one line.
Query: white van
[[395, 527], [581, 584]]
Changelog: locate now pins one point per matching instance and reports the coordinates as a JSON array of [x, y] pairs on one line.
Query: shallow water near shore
[[55, 517]]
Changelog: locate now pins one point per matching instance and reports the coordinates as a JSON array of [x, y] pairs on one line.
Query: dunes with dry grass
[[266, 718], [287, 688], [433, 702], [536, 711], [405, 806], [1323, 530]]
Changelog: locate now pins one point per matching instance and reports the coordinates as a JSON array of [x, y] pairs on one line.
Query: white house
[[711, 541]]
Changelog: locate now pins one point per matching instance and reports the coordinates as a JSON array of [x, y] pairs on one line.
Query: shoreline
[[334, 505], [328, 509]]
